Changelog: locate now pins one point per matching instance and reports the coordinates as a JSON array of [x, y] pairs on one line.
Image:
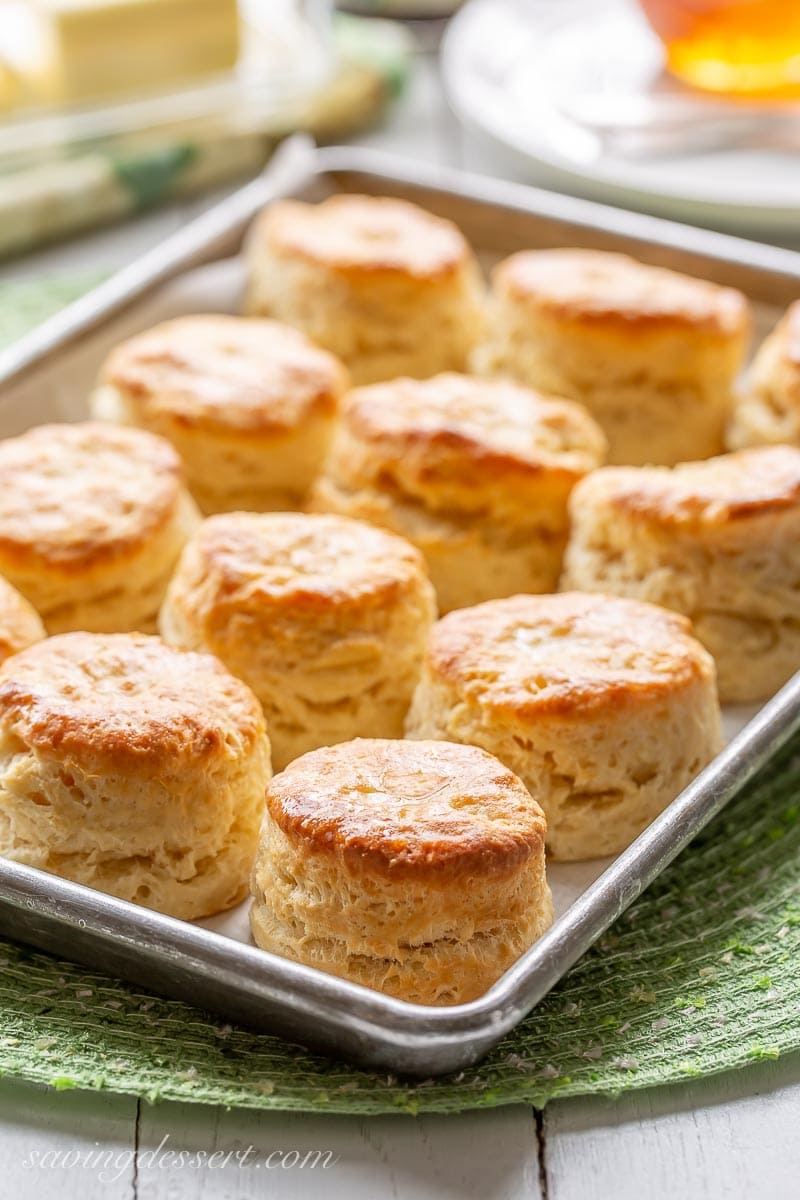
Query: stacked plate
[[576, 92]]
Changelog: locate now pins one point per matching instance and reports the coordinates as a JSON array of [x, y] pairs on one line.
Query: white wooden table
[[730, 1137]]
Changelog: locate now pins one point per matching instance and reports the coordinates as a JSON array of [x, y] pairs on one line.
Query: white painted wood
[[725, 1138], [718, 1139], [74, 1145], [472, 1156]]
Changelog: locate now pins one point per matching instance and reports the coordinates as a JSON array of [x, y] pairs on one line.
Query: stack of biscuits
[[468, 564]]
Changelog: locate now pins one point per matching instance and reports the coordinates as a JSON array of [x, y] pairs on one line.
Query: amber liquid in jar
[[750, 47]]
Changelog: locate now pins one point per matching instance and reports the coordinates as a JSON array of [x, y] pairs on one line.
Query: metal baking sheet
[[47, 377]]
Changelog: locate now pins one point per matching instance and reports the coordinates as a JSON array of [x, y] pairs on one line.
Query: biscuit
[[387, 287], [605, 708], [249, 405], [652, 354], [718, 541], [130, 767], [92, 520], [20, 624], [415, 868], [476, 473], [325, 619], [767, 411]]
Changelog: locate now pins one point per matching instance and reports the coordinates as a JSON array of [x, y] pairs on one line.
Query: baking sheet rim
[[378, 1029]]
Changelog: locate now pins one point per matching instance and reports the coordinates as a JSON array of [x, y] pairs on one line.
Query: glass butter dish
[[75, 74]]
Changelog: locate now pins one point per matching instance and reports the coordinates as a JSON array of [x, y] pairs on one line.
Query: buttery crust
[[569, 655], [298, 563], [125, 700], [476, 473], [442, 438], [768, 409], [20, 624], [325, 618], [74, 497], [790, 335], [652, 354], [364, 235], [717, 540], [604, 708], [416, 869], [414, 810], [132, 768], [385, 286], [613, 290], [719, 492], [92, 521], [225, 374]]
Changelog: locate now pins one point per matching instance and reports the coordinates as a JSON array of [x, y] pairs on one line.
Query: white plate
[[519, 69]]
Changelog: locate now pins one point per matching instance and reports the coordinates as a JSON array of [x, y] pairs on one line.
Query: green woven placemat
[[701, 975]]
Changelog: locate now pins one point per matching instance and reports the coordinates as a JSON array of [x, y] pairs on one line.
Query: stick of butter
[[98, 48]]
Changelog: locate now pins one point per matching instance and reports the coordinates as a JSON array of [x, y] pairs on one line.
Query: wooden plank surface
[[730, 1137], [726, 1138]]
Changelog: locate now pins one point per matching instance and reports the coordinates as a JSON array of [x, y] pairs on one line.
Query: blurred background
[[121, 119]]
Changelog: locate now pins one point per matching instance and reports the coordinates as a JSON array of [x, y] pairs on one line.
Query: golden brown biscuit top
[[456, 428], [790, 329], [365, 235], [599, 288], [127, 699], [761, 481], [777, 364], [568, 655], [260, 561], [428, 809], [226, 373], [20, 624], [74, 495]]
